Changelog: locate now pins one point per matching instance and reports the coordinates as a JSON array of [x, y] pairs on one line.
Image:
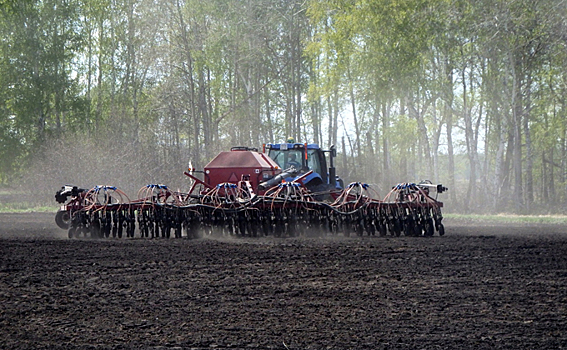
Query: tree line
[[470, 94]]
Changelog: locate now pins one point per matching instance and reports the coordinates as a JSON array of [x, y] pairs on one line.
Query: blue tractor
[[296, 159]]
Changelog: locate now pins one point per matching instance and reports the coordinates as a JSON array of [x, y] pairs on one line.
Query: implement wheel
[[382, 229], [62, 219], [429, 228], [71, 232], [441, 229]]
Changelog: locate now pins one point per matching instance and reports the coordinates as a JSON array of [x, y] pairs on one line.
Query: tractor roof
[[288, 146]]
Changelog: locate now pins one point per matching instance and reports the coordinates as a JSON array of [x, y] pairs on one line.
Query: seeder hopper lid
[[241, 159]]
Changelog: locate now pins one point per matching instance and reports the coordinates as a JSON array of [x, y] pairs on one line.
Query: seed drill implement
[[285, 190]]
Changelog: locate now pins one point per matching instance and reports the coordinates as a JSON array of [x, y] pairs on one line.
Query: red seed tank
[[238, 164]]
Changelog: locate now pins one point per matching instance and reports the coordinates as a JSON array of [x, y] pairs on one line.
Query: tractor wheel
[[62, 219], [71, 232]]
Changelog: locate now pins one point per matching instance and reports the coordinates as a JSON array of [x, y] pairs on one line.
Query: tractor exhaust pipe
[[332, 170]]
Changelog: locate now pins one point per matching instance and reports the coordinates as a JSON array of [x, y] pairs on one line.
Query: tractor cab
[[304, 158]]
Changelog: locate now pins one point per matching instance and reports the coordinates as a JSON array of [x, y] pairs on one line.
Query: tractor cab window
[[313, 161], [293, 159], [278, 157], [288, 158]]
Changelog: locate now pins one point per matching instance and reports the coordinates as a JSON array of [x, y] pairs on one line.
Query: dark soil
[[476, 288]]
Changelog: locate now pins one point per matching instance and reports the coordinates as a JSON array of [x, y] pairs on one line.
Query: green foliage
[[38, 91]]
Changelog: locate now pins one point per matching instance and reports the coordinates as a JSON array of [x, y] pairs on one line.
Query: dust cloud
[[90, 161]]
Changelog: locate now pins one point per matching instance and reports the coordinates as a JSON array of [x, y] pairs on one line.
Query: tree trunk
[[529, 151], [386, 159], [191, 96], [471, 146], [544, 178], [355, 119], [330, 127], [418, 113], [345, 159], [98, 113], [205, 117], [333, 108], [269, 117], [517, 132], [448, 116]]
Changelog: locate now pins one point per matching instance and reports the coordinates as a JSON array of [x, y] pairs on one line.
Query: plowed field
[[487, 287]]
